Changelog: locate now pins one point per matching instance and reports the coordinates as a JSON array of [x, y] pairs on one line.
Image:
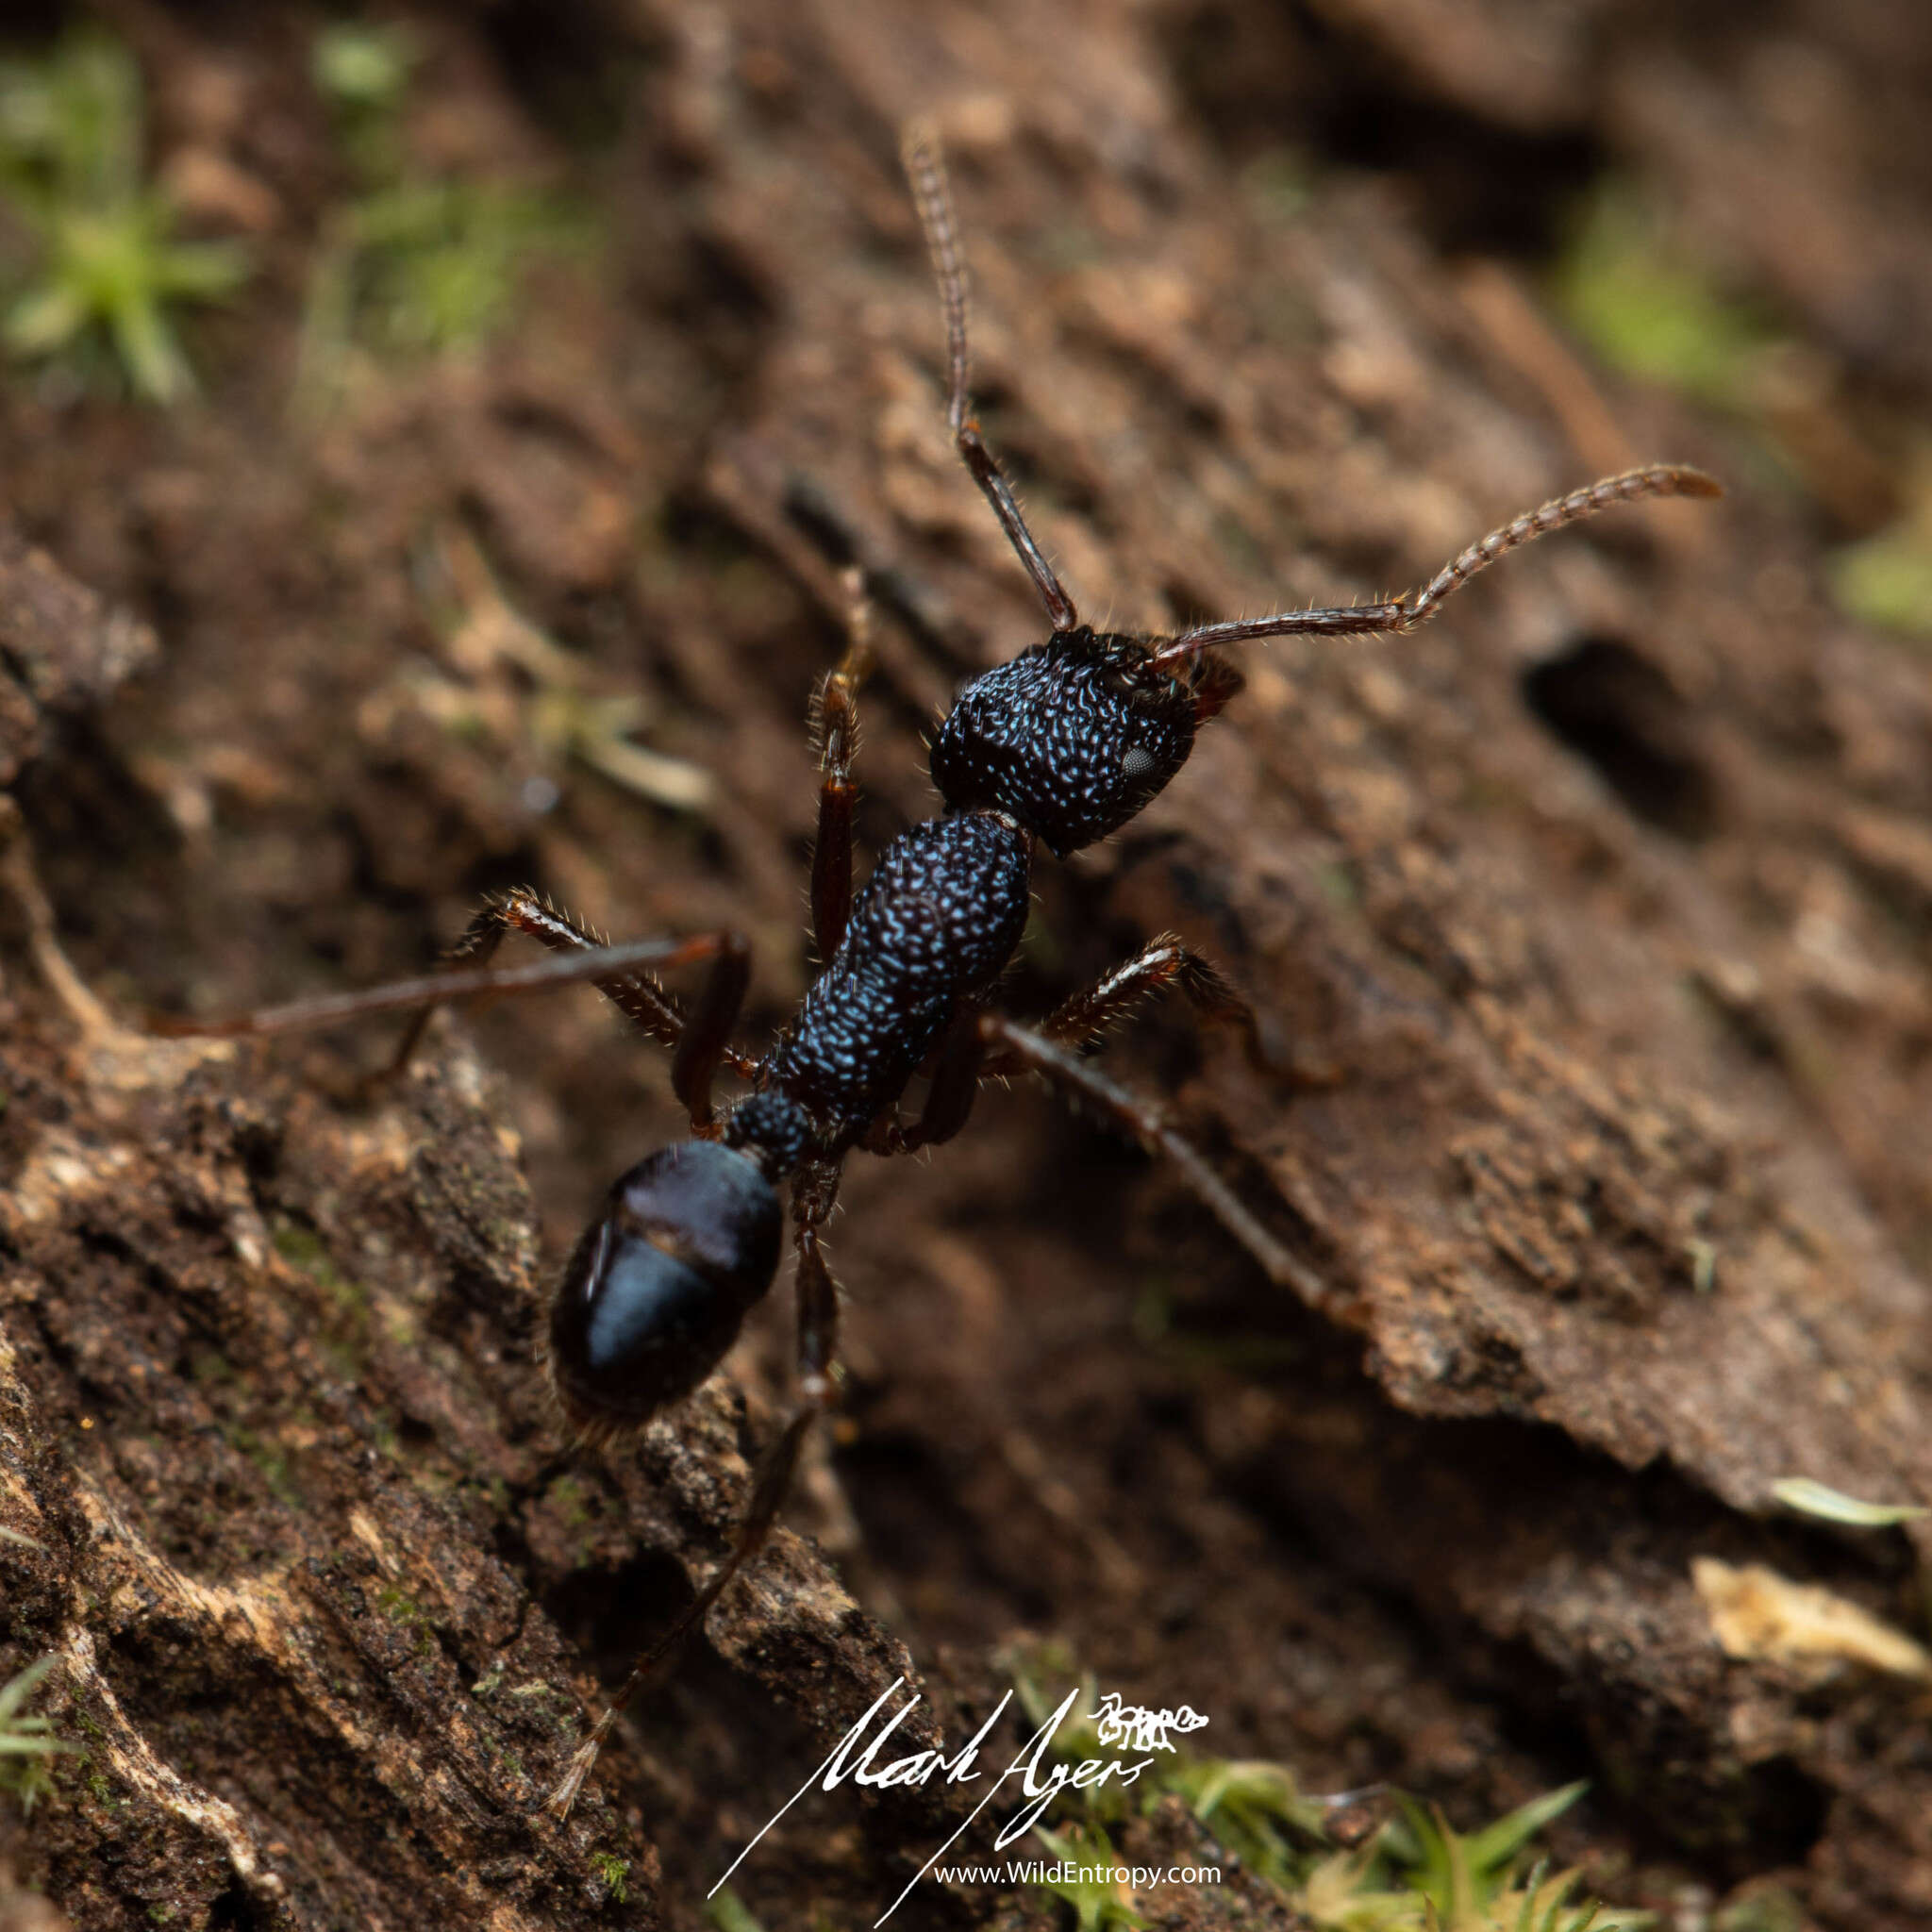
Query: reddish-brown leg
[[964, 1057], [698, 1044], [957, 1069], [707, 1029], [1018, 1047], [1082, 1021], [639, 996], [835, 725], [320, 1010]]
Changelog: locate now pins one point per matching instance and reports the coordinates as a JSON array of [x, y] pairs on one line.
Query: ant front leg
[[813, 1194], [1017, 1048], [835, 725]]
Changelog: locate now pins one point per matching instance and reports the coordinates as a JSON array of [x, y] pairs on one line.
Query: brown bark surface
[[1590, 921]]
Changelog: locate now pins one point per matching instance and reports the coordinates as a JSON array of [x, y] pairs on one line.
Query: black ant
[[1062, 745]]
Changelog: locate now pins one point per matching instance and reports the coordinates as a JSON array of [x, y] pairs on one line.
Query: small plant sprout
[[1412, 1872], [363, 71], [1811, 1498], [1419, 1876], [614, 1873], [1257, 1810], [414, 262], [1099, 1896], [557, 715], [110, 267], [729, 1913], [26, 1743]]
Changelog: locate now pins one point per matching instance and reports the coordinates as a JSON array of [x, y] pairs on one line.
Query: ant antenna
[[925, 168], [1413, 608]]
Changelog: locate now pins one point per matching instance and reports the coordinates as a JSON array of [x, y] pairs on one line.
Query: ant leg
[[636, 996], [957, 1066], [955, 1080], [818, 1334], [435, 988], [1413, 608], [708, 1030], [926, 171], [835, 726], [963, 1061], [1020, 1047], [1083, 1019], [1215, 683], [698, 1042]]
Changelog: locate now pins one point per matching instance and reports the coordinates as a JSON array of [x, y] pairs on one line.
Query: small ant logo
[[1134, 1728]]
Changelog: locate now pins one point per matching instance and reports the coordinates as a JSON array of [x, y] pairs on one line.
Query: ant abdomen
[[1071, 738], [659, 1283]]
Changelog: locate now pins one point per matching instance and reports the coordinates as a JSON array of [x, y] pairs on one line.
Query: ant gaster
[[1062, 745]]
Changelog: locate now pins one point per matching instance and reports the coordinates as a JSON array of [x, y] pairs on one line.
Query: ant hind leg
[[1016, 1048]]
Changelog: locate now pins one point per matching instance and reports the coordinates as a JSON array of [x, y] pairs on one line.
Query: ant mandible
[[1062, 745]]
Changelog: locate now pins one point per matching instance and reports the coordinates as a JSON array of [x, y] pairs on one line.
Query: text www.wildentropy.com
[[1065, 1872]]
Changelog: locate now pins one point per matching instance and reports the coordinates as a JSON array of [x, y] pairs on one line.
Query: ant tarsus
[[1060, 746]]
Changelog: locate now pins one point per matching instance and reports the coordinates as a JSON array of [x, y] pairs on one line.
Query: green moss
[[399, 1605], [566, 1497], [414, 262], [1626, 289], [278, 1468], [110, 268], [210, 1368], [728, 1912], [1413, 1875], [1099, 1900], [614, 1871], [27, 1743], [1886, 580], [1278, 184]]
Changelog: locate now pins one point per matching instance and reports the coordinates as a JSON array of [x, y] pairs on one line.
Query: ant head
[[1071, 738], [658, 1287]]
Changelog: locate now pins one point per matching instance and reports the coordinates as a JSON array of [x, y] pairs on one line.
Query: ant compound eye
[[658, 1287]]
